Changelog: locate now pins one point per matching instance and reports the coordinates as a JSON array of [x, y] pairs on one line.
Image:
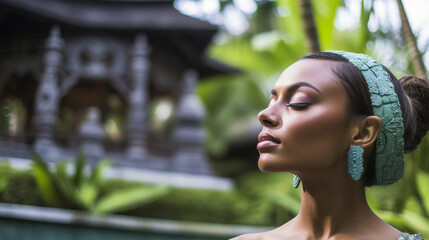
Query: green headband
[[389, 159]]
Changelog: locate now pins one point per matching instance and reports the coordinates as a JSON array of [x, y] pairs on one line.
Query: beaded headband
[[389, 159]]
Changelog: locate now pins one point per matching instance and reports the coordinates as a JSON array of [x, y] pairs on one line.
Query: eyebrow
[[295, 86]]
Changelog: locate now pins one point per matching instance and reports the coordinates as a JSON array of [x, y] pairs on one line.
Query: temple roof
[[115, 14], [31, 19]]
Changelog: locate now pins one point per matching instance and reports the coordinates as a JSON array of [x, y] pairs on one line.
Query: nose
[[268, 118]]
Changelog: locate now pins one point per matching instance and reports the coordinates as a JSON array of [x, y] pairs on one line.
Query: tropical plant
[[309, 26], [81, 191], [272, 195], [411, 215], [410, 40], [4, 172], [415, 214]]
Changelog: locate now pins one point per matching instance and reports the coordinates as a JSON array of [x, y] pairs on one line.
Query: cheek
[[319, 133], [319, 123]]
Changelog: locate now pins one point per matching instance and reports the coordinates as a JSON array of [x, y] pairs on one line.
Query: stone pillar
[[92, 134], [47, 97], [138, 97], [189, 135]]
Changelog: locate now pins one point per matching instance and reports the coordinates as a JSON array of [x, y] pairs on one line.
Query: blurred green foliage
[[263, 52], [258, 199], [4, 118], [81, 191], [252, 202], [18, 186], [273, 42], [400, 206]]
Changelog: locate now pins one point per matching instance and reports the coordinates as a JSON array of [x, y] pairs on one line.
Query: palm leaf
[[87, 194], [65, 185], [286, 202], [422, 180], [45, 181], [416, 222], [128, 198], [79, 171], [98, 170]]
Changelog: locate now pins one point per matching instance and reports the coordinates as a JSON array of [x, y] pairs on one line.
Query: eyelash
[[298, 106]]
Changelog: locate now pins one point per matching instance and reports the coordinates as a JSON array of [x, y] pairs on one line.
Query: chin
[[266, 166], [272, 163]]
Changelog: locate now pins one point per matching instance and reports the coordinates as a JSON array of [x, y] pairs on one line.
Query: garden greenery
[[81, 191], [258, 199]]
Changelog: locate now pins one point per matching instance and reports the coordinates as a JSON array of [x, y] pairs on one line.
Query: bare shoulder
[[252, 236], [279, 233], [261, 236]]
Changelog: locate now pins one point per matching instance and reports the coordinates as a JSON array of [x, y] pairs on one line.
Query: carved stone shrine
[[109, 78]]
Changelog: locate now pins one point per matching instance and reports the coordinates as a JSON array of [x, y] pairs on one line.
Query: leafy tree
[[416, 57], [263, 52], [309, 26]]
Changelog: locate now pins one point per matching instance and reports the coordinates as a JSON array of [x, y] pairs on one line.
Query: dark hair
[[413, 96], [417, 90]]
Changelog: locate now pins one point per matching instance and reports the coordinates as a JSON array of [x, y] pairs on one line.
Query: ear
[[365, 131]]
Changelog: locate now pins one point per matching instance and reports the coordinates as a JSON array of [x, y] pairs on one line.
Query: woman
[[340, 121]]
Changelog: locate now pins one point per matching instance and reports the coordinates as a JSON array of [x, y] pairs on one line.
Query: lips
[[266, 140]]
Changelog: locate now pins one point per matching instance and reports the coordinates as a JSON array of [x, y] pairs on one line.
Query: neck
[[330, 205]]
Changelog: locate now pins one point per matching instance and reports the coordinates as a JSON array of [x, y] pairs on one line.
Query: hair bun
[[417, 90]]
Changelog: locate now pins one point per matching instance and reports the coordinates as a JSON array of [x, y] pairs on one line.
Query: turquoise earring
[[296, 181], [355, 162]]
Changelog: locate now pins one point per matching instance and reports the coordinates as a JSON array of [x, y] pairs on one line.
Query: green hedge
[[258, 199], [243, 205], [18, 187]]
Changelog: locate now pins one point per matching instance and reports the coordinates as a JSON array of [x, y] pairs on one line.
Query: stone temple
[[109, 78]]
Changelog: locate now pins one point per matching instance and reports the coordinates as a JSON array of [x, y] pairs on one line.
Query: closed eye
[[298, 106]]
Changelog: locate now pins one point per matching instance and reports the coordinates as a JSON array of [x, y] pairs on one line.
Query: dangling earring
[[296, 181], [355, 162]]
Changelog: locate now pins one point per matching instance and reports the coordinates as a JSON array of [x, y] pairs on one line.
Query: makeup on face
[[297, 98], [304, 124], [299, 101]]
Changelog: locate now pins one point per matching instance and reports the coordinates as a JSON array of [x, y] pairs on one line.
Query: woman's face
[[305, 126]]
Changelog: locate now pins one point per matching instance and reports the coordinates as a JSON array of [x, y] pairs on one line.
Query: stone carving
[[90, 60], [137, 116], [92, 134], [98, 59], [46, 105], [189, 135]]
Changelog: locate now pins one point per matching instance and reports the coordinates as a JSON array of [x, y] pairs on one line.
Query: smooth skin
[[307, 130]]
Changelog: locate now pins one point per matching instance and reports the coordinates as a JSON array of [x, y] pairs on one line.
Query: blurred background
[[137, 119]]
